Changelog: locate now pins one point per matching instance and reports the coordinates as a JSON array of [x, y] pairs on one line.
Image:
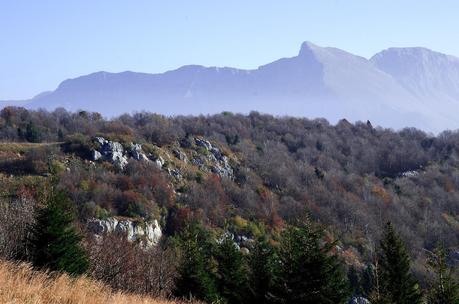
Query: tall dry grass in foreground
[[19, 284]]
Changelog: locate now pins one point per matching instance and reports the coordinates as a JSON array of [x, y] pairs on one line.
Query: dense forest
[[229, 191]]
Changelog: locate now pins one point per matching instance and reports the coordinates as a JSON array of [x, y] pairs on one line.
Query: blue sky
[[44, 42]]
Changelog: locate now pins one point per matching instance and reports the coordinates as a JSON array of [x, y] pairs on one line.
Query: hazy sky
[[43, 42]]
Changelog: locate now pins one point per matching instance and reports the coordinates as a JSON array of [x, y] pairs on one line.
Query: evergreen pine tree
[[231, 273], [261, 271], [32, 133], [195, 275], [367, 280], [355, 280], [444, 288], [55, 241], [307, 271], [397, 284], [60, 135]]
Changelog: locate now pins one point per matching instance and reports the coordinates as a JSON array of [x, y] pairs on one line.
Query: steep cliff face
[[147, 234]]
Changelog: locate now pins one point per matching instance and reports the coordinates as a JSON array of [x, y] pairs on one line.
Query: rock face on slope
[[136, 152], [359, 300], [115, 153], [147, 234], [205, 156], [218, 163], [111, 151]]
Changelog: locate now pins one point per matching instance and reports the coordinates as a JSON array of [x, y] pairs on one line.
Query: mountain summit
[[399, 87]]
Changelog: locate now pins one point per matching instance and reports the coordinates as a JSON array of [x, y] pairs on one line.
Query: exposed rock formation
[[219, 163], [209, 160], [203, 143], [359, 300], [96, 155], [114, 152], [136, 152], [175, 173], [147, 233], [111, 151], [180, 155]]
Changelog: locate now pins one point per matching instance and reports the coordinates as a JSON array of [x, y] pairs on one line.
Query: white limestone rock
[[146, 233]]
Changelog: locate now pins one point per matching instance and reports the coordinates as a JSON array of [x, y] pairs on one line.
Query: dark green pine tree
[[195, 274], [444, 288], [261, 262], [307, 270], [231, 271], [55, 241], [355, 281], [367, 281], [32, 133], [60, 135], [397, 284]]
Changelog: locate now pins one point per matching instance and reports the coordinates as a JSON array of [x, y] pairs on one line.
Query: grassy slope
[[20, 284]]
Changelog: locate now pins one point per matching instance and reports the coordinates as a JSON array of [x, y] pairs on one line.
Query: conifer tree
[[195, 274], [32, 133], [261, 271], [444, 288], [231, 271], [55, 241], [397, 284], [60, 135], [355, 281], [307, 270]]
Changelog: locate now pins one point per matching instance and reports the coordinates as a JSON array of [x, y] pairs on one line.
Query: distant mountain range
[[398, 87]]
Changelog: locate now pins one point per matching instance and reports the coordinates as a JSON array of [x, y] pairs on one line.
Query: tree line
[[300, 265]]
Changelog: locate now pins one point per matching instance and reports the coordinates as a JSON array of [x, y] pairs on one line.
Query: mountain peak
[[412, 53], [397, 87], [307, 49]]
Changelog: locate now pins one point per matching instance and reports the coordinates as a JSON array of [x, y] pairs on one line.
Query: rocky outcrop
[[147, 234], [203, 143], [176, 173], [241, 242], [210, 160], [223, 168], [136, 152], [359, 300], [180, 155], [217, 154], [159, 161], [218, 162], [115, 153], [412, 173], [96, 155], [111, 151]]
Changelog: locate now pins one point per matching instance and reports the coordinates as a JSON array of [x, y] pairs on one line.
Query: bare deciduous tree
[[16, 216], [126, 266]]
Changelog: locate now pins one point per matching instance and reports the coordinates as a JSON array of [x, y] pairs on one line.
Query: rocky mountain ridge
[[399, 87]]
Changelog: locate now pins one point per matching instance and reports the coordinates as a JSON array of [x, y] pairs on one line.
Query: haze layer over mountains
[[398, 87]]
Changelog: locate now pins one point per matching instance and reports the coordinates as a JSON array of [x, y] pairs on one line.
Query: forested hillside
[[240, 177]]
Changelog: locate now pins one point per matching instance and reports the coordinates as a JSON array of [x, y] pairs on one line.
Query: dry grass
[[19, 284], [24, 146]]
